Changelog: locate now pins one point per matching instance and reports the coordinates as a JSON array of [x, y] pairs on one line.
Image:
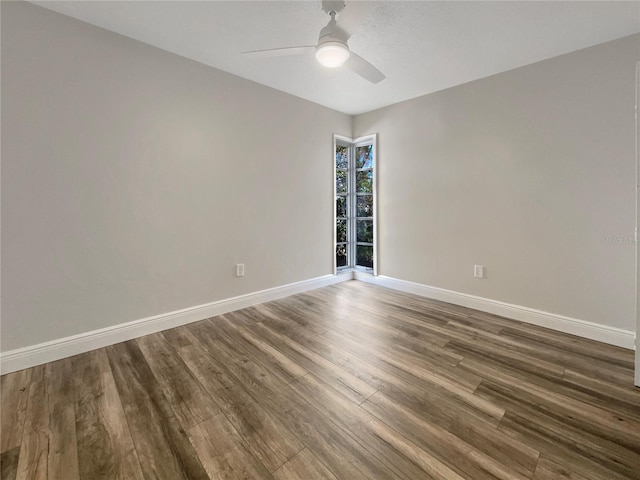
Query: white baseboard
[[582, 328], [39, 354]]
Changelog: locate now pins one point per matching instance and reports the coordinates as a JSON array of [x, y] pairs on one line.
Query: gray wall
[[530, 173], [133, 180]]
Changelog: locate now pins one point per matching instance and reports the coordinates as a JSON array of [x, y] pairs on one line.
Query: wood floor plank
[[231, 324], [223, 453], [475, 323], [163, 448], [191, 403], [549, 353], [263, 313], [351, 386], [307, 360], [105, 446], [626, 404], [435, 401], [443, 310], [549, 470], [553, 445], [347, 382], [625, 398], [458, 455], [383, 300], [523, 414], [62, 461], [381, 441], [435, 359], [9, 464], [304, 466], [425, 366], [417, 315], [415, 338], [204, 364], [507, 356], [266, 436], [176, 337], [462, 391], [298, 317], [601, 368], [14, 389], [598, 351], [32, 464], [220, 330], [330, 443], [497, 321], [391, 331], [373, 322], [616, 428]]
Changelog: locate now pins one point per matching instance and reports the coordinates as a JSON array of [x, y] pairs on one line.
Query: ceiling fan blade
[[280, 52], [363, 68], [353, 15]]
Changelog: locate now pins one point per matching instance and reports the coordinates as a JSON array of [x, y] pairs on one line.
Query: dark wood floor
[[346, 382]]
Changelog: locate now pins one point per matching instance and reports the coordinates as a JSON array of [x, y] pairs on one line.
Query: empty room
[[319, 240]]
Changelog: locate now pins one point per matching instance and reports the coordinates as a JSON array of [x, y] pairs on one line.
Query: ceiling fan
[[332, 49]]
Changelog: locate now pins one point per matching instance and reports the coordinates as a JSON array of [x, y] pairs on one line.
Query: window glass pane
[[364, 206], [341, 255], [342, 159], [341, 231], [364, 156], [341, 207], [364, 256], [364, 231], [364, 181], [341, 182]]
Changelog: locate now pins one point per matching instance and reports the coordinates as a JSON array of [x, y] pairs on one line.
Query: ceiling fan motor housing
[[332, 33], [332, 50]]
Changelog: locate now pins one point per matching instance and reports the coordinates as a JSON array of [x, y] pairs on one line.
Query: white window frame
[[339, 140]]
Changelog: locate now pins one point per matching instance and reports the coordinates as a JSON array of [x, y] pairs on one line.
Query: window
[[355, 228]]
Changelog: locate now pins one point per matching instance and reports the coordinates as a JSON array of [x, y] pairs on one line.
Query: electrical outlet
[[478, 271], [240, 270]]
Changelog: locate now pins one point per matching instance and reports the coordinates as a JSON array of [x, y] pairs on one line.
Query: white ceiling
[[421, 46]]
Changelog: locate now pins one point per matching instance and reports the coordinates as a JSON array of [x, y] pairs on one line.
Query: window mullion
[[351, 229]]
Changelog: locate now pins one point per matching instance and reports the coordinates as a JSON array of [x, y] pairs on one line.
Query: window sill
[[356, 271]]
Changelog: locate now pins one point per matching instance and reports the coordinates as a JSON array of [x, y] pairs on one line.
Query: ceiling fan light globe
[[332, 54]]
